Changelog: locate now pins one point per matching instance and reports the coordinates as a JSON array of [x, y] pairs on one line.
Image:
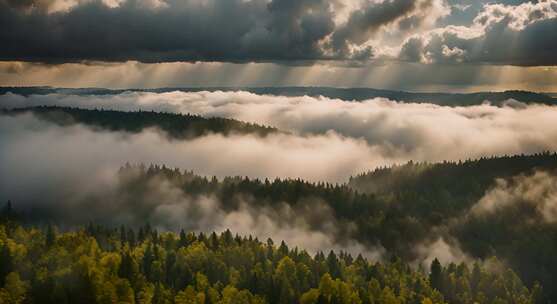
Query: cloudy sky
[[422, 45]]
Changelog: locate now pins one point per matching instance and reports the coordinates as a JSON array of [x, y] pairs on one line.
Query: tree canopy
[[97, 264]]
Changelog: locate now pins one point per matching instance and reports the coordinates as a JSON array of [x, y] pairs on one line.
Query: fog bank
[[422, 132], [535, 195], [70, 175], [71, 171]]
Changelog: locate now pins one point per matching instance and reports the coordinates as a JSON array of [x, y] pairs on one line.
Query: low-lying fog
[[48, 165]]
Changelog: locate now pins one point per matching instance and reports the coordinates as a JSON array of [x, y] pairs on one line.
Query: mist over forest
[[448, 193]]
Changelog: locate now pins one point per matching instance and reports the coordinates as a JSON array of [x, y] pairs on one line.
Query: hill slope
[[404, 209], [176, 126]]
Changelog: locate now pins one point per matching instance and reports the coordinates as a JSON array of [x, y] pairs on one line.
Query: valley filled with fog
[[317, 173]]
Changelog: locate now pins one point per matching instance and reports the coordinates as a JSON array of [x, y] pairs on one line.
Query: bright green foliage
[[96, 265], [14, 291]]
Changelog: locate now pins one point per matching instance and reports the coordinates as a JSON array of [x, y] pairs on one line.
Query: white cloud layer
[[62, 171], [499, 34], [330, 140], [349, 136]]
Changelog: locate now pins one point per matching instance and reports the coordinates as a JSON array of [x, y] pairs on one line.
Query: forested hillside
[[407, 206], [518, 189], [176, 126], [102, 265], [446, 188]]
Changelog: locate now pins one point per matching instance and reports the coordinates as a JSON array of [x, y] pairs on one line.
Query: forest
[[95, 264], [415, 199], [175, 126]]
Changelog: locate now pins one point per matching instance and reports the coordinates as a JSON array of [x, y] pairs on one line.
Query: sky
[[415, 45]]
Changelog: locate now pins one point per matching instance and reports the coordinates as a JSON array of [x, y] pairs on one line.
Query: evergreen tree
[[435, 275], [50, 235], [6, 264]]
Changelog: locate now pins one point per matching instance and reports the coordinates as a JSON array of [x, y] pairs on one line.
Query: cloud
[[517, 17], [388, 130], [499, 34], [364, 22], [77, 169], [45, 165], [440, 249], [282, 223], [535, 194], [328, 157], [285, 31], [165, 31], [310, 224], [281, 31]]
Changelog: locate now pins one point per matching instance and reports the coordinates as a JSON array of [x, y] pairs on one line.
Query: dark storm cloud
[[283, 31], [194, 30], [232, 30], [535, 45]]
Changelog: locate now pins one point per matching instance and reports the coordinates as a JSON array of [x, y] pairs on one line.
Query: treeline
[[96, 264], [446, 189], [177, 126]]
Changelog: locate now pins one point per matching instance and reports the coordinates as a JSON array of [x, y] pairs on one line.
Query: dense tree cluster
[[438, 191], [103, 265], [177, 126], [442, 194]]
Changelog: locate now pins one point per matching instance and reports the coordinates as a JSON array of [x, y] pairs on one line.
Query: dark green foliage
[[8, 214], [435, 278], [6, 263], [176, 126], [50, 236], [77, 268], [441, 195]]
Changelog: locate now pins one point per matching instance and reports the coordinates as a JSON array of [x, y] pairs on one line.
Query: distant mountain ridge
[[356, 94]]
